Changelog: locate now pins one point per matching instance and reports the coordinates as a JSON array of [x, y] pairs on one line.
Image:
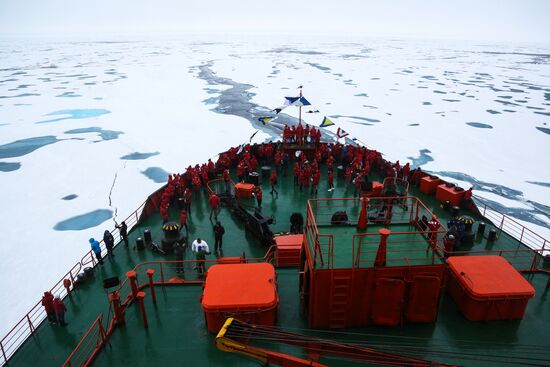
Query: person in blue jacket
[[97, 250]]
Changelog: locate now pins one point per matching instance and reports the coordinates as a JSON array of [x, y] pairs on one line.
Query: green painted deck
[[177, 334]]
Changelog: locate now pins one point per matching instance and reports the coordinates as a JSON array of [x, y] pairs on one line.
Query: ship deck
[[177, 332]]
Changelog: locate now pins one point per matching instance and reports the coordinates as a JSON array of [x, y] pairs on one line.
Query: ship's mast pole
[[300, 108]]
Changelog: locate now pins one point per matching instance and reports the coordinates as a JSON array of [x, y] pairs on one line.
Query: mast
[[300, 107]]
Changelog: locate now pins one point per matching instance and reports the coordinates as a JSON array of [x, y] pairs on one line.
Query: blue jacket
[[95, 245]]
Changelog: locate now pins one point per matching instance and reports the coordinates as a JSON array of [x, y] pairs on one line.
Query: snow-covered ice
[[75, 115]]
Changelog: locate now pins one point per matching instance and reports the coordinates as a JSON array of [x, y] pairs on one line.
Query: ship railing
[[406, 211], [132, 220], [512, 227], [380, 210], [28, 324], [90, 344], [402, 249], [164, 273], [177, 271], [218, 186], [321, 246]]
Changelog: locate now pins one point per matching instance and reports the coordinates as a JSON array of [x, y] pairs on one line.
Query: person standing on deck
[[183, 221], [406, 170], [219, 231], [47, 302], [96, 249], [466, 198], [315, 178], [226, 180], [259, 196], [284, 164], [60, 309], [330, 180], [187, 199], [296, 173], [200, 248], [273, 181], [123, 230], [179, 250], [214, 201], [109, 241]]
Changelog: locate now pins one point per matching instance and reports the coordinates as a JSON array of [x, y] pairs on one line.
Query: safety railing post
[[4, 353], [521, 236], [31, 326], [150, 273], [104, 337], [161, 273]]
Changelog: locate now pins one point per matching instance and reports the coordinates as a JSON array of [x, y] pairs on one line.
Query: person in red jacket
[[47, 302], [330, 180], [466, 199], [187, 199], [259, 195], [59, 308], [273, 181], [406, 170], [214, 205], [315, 178], [183, 221], [358, 184], [296, 173], [226, 180]]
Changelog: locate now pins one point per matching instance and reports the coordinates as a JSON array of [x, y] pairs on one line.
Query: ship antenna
[[300, 107]]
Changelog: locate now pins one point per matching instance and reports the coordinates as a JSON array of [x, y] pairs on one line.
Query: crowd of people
[[299, 135]]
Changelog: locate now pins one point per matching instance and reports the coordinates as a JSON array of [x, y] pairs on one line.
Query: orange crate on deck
[[247, 292], [428, 184], [488, 288], [244, 190], [444, 193], [288, 250]]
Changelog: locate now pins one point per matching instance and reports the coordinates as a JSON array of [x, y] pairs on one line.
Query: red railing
[[32, 319], [89, 345], [512, 227], [403, 248], [165, 273], [408, 210], [36, 315]]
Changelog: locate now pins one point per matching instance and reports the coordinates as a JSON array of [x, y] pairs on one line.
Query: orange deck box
[[247, 292], [244, 190], [453, 194], [488, 288], [288, 250], [428, 184]]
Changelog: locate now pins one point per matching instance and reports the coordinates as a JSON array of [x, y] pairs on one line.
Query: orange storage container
[[247, 292], [288, 250], [444, 193], [244, 190], [488, 288], [428, 184]]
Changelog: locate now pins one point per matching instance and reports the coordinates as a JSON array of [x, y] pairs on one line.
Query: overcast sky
[[491, 20]]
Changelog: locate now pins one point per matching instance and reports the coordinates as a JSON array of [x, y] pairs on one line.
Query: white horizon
[[469, 20]]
